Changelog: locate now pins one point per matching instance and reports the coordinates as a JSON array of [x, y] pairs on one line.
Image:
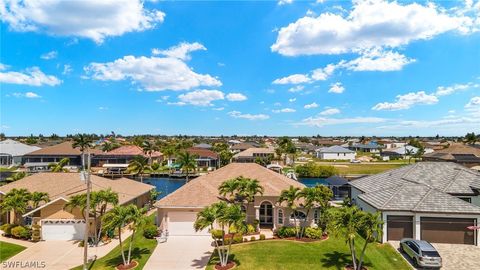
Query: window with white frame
[[280, 216], [298, 215]]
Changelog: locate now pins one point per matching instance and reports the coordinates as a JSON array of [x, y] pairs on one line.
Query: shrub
[[312, 169], [245, 239], [21, 232], [217, 234], [150, 231], [262, 236], [285, 232], [7, 228], [36, 233], [251, 228], [252, 238], [232, 229], [313, 233], [237, 238]]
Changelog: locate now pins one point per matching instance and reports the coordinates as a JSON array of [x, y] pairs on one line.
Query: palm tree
[[169, 151], [148, 148], [137, 219], [38, 197], [250, 189], [59, 166], [83, 143], [371, 230], [16, 200], [77, 201], [229, 188], [187, 163], [100, 201], [290, 196], [138, 166], [225, 215], [16, 176]]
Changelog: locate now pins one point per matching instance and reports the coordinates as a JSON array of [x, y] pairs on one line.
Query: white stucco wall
[[337, 156]]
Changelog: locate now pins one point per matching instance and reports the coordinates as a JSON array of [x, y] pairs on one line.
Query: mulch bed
[[229, 265], [350, 267], [303, 239], [132, 265]]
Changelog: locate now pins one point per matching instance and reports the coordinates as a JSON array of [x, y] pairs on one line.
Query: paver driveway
[[181, 252], [454, 257]]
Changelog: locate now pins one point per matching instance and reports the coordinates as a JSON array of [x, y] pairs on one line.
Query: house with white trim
[[335, 152]]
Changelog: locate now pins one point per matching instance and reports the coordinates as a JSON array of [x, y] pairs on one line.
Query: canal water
[[168, 185]]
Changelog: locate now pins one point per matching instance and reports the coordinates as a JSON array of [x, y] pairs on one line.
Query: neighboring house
[[335, 153], [177, 211], [466, 155], [306, 148], [239, 147], [433, 201], [370, 147], [400, 152], [328, 142], [206, 159], [58, 223], [252, 154], [123, 155], [393, 144], [11, 152], [38, 160], [203, 145], [339, 187]]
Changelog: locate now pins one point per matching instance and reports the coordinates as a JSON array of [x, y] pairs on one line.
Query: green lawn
[[330, 254], [141, 250], [8, 250]]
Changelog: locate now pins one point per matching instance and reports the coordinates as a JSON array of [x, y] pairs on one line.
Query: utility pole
[[86, 177]]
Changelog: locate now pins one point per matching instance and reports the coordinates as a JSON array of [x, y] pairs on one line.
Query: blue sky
[[211, 68]]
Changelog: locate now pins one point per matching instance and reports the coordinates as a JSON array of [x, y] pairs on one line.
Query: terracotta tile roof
[[454, 149], [130, 150], [68, 184], [243, 146], [202, 152], [203, 191], [61, 149], [251, 151]]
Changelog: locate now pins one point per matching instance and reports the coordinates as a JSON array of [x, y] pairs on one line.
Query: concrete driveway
[[181, 252], [454, 257]]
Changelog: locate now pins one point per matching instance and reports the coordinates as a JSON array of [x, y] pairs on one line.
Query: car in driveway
[[422, 253]]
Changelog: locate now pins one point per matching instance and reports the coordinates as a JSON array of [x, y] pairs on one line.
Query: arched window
[[280, 216], [299, 215]]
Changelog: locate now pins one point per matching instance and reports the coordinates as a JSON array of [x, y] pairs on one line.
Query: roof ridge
[[424, 197], [452, 181], [403, 177], [394, 193]]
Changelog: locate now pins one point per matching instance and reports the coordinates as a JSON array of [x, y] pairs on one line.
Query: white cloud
[[201, 97], [311, 105], [284, 2], [448, 90], [26, 95], [336, 88], [237, 114], [297, 88], [219, 109], [67, 69], [324, 121], [32, 76], [322, 74], [236, 97], [284, 110], [152, 73], [293, 79], [455, 123], [49, 55], [181, 51], [473, 103], [330, 111], [292, 99], [91, 19], [406, 101], [369, 24], [102, 108], [379, 60]]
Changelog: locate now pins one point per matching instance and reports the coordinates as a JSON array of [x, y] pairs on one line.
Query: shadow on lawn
[[214, 259], [338, 260], [137, 253]]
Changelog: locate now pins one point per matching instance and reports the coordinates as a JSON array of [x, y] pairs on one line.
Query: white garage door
[[63, 229], [181, 223]]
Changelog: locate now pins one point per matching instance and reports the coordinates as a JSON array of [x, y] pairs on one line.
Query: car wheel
[[415, 263], [401, 248]]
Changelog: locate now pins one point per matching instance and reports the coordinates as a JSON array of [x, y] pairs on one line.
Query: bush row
[[310, 232], [16, 231]]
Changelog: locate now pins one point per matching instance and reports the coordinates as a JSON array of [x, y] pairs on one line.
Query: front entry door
[[266, 214]]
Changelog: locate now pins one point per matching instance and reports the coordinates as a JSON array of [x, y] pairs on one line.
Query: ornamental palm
[[83, 142], [16, 200], [290, 196], [250, 189], [116, 219], [77, 201], [38, 197], [229, 188], [100, 201], [187, 163], [137, 219], [59, 166], [371, 230], [148, 148], [138, 166]]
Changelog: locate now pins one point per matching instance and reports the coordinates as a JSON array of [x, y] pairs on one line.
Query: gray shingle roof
[[422, 187], [335, 149]]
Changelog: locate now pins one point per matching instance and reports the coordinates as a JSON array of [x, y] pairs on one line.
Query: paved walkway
[[181, 253], [15, 241], [454, 257], [57, 255]]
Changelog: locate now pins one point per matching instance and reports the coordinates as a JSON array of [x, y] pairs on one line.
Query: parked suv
[[421, 252]]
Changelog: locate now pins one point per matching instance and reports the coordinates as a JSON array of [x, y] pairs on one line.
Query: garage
[[63, 229], [181, 223], [399, 227], [447, 230]]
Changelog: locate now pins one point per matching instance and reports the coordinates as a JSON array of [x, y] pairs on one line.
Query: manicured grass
[[329, 254], [8, 250], [366, 168], [141, 250]]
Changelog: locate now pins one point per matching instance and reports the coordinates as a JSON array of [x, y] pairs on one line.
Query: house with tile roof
[[58, 223], [178, 210], [466, 155], [252, 154], [123, 155], [433, 201], [335, 152], [11, 152], [206, 159]]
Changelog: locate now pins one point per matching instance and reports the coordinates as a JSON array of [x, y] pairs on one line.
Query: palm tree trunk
[[130, 246], [121, 244], [352, 250], [360, 261]]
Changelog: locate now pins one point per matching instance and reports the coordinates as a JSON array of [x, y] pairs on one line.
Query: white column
[[416, 227], [257, 215], [384, 234], [274, 213]]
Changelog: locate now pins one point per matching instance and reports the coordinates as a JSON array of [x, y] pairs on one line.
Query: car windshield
[[430, 254]]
